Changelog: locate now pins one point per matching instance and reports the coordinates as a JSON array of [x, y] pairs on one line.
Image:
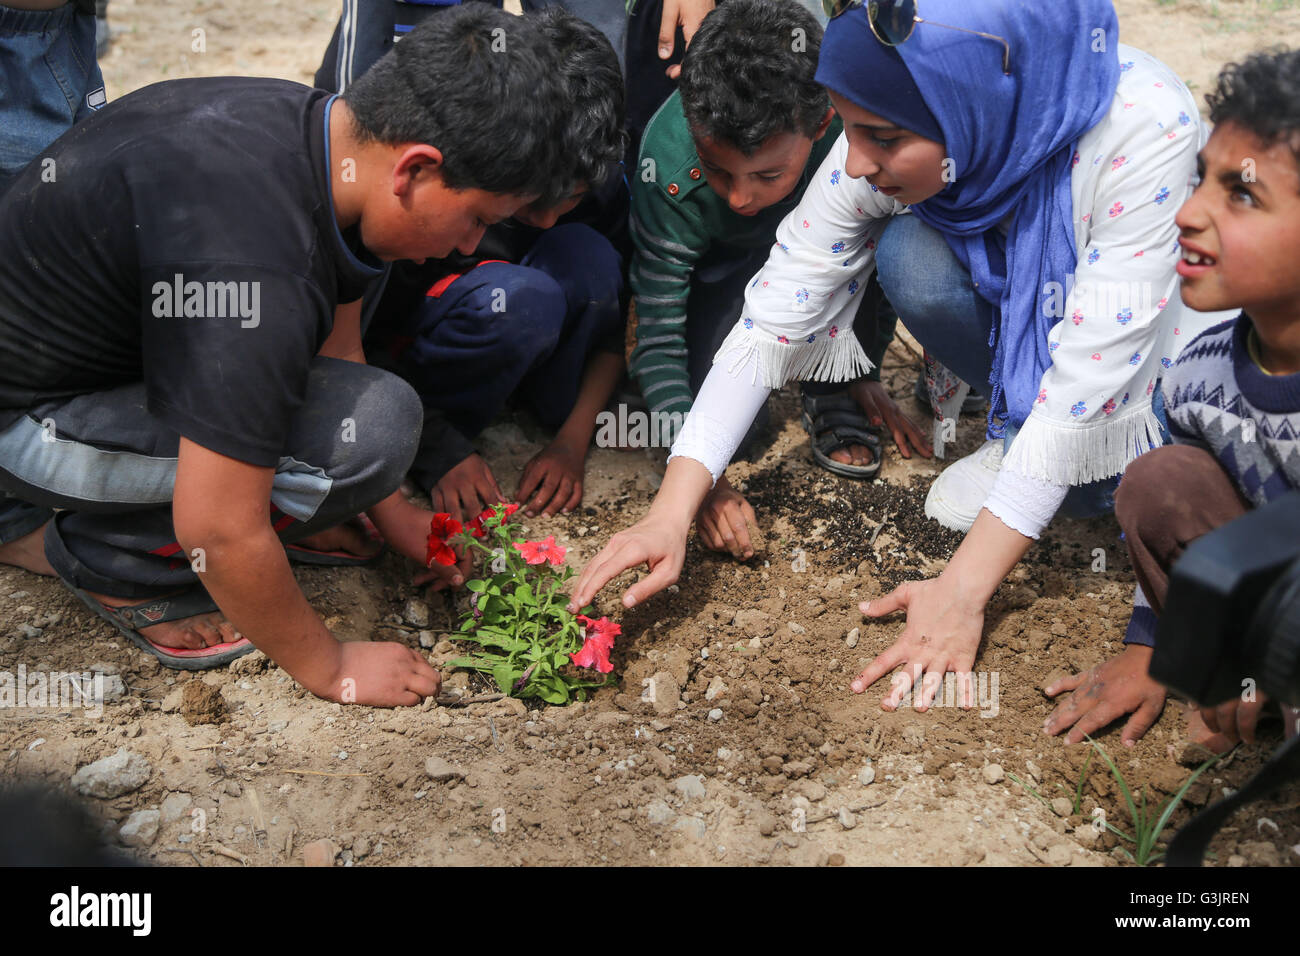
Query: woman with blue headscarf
[[1013, 172]]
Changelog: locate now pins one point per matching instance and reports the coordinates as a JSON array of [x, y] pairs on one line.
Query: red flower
[[599, 642], [441, 527], [605, 629], [593, 654], [539, 552], [476, 526]]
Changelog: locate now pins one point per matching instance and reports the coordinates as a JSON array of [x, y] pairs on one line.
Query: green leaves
[[519, 618]]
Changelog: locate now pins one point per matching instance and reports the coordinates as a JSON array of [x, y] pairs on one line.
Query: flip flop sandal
[[129, 620], [834, 422], [339, 559]]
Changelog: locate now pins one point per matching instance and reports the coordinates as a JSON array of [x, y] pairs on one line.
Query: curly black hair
[[748, 73], [1261, 94], [483, 86], [593, 137]]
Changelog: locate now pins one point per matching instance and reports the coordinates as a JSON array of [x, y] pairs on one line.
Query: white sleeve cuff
[[1024, 504], [727, 404]]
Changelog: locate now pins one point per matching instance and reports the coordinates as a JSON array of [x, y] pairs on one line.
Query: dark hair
[[748, 73], [482, 86], [593, 136], [1261, 94]]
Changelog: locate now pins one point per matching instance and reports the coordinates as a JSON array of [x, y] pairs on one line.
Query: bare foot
[[853, 455], [191, 633], [28, 552], [349, 537]]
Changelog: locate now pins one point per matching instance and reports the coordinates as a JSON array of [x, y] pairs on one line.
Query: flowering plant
[[527, 638]]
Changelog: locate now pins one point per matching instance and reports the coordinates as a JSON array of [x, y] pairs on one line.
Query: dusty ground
[[613, 780]]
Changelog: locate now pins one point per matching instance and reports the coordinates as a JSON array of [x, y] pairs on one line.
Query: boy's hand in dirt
[[467, 489], [1110, 690], [942, 634], [552, 479], [724, 519], [652, 542], [1235, 720], [382, 674], [406, 529], [881, 409], [689, 14]]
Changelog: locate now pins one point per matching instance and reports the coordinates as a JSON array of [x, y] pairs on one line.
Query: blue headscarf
[[1011, 139]]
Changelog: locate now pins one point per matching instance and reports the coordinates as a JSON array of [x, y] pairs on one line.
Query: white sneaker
[[958, 494]]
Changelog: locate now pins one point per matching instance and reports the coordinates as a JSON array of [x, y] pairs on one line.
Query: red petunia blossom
[[476, 526], [594, 653], [441, 527], [539, 552], [599, 642], [604, 629]]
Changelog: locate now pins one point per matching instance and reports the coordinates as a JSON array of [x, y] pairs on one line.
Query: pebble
[[715, 714], [319, 853], [659, 813], [847, 820], [691, 826], [29, 632], [1062, 806], [428, 639], [797, 628], [361, 848], [767, 824], [175, 806], [233, 788], [993, 773], [716, 688], [835, 859], [866, 776], [416, 613], [852, 639], [276, 726], [439, 769], [112, 776], [665, 693], [114, 688], [690, 787], [140, 829]]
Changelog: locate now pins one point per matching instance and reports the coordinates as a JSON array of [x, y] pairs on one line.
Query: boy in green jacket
[[722, 162]]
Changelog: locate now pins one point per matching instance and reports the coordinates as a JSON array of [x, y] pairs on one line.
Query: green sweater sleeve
[[668, 239]]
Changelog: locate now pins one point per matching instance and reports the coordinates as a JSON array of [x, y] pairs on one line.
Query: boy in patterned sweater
[[1233, 396]]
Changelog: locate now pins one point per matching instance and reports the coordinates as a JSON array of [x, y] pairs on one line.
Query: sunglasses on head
[[892, 22]]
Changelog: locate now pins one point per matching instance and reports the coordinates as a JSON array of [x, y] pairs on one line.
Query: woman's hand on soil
[[552, 480], [724, 520], [466, 489], [1110, 690], [652, 542], [382, 674], [881, 409], [942, 634]]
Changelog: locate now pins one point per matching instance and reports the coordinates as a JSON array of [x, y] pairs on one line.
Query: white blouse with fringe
[[1122, 321]]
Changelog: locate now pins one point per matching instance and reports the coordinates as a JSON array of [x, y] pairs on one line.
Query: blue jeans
[[49, 80], [936, 299]]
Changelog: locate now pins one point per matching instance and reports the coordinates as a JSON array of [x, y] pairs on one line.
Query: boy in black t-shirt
[[180, 344]]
